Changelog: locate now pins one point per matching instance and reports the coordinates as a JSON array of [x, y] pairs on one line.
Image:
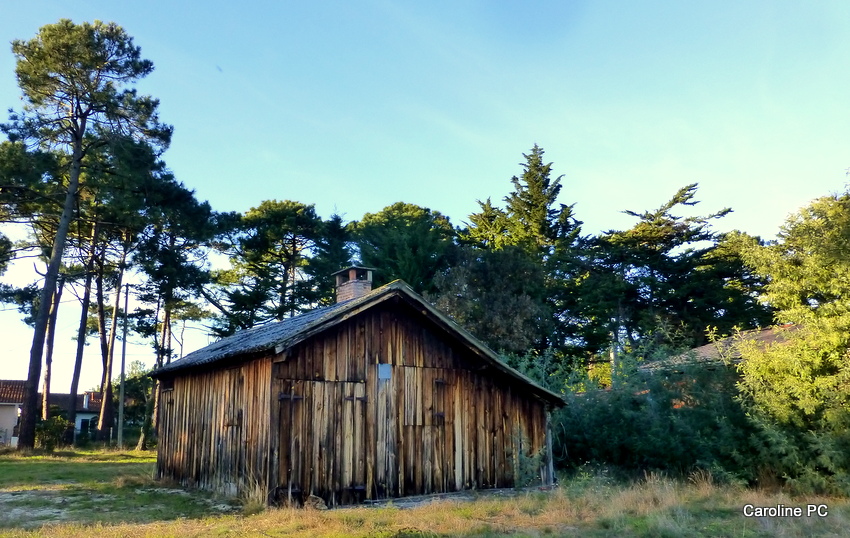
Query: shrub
[[49, 433], [795, 392], [526, 465], [671, 421]]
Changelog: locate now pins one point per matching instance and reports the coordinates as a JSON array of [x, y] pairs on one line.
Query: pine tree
[[534, 220], [405, 241], [73, 79]]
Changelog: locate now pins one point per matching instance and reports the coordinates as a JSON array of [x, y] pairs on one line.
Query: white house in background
[[88, 408], [11, 400]]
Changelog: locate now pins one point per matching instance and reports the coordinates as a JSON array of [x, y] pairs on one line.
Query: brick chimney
[[353, 282]]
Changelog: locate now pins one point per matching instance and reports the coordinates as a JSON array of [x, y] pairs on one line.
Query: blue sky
[[356, 105]]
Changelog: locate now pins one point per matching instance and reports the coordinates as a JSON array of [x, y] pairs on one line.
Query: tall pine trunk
[[107, 418], [163, 357], [150, 401], [29, 409], [81, 333], [51, 337]]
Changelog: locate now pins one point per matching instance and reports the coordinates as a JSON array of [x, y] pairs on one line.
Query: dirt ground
[[34, 508]]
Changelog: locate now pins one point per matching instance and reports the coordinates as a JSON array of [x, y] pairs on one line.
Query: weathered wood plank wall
[[214, 428], [386, 405]]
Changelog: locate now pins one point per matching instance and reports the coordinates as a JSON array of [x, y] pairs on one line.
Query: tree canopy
[[797, 387], [405, 241], [76, 85]]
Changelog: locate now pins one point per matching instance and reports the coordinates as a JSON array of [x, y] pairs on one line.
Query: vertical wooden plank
[[327, 434], [394, 447], [382, 466], [486, 403], [398, 336], [349, 405], [420, 402], [448, 431], [349, 342], [300, 361], [458, 433], [439, 422], [493, 419], [362, 351], [426, 392], [360, 445], [339, 427], [429, 458], [503, 438], [397, 428], [407, 479], [482, 396], [287, 439], [328, 366], [372, 454], [320, 439], [341, 350], [335, 338], [388, 339], [305, 444], [302, 357], [394, 438], [294, 437], [468, 430], [414, 439]]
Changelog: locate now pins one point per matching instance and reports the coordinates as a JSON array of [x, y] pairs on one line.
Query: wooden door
[[322, 441], [294, 431]]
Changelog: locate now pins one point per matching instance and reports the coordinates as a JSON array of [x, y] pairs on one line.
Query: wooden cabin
[[377, 396]]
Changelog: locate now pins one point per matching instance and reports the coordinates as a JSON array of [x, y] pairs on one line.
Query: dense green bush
[[671, 421], [796, 394], [675, 420], [49, 433]]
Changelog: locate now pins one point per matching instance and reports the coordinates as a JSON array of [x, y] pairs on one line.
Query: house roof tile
[[12, 391]]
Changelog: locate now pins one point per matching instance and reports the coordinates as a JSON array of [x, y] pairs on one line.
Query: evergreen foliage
[[332, 252], [797, 389], [532, 218], [268, 251], [667, 275], [498, 295], [407, 242], [668, 420], [511, 284]]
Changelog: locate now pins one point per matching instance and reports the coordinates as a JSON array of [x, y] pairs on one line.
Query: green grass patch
[[92, 487], [27, 470]]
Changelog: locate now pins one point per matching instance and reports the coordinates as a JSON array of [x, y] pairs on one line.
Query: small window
[[385, 371]]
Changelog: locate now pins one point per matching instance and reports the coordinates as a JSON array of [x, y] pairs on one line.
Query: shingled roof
[[11, 391], [279, 336], [722, 351]]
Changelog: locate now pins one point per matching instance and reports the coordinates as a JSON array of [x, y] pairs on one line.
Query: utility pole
[[123, 360]]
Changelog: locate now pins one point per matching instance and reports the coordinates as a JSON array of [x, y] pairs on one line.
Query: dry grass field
[[111, 494]]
